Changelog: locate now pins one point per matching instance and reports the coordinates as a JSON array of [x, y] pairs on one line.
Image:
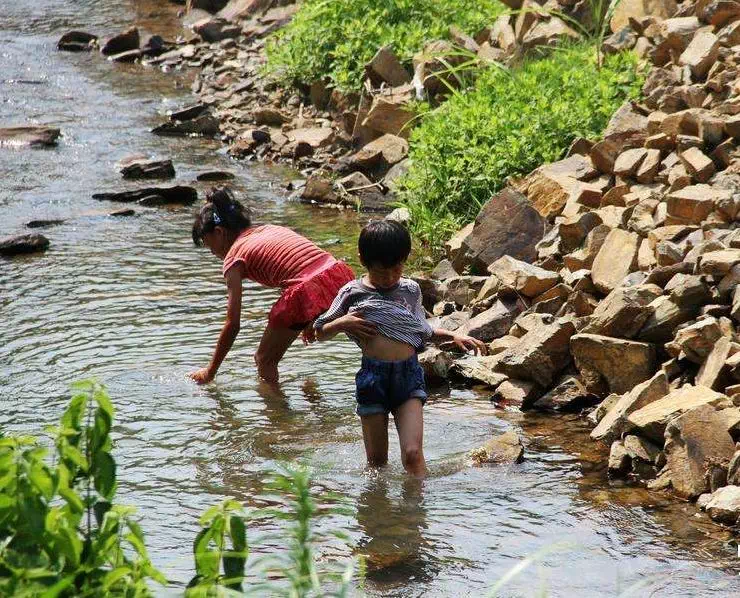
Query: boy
[[382, 312]]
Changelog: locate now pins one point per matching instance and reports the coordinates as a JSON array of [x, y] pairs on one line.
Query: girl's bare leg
[[375, 435], [274, 344], [410, 425]]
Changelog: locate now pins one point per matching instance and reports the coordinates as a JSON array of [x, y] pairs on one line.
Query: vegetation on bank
[[510, 123], [335, 39], [62, 534]]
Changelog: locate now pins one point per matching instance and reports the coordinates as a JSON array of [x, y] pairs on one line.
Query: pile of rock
[[630, 299]]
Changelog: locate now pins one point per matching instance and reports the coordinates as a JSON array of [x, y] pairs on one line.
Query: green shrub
[[512, 122], [335, 38]]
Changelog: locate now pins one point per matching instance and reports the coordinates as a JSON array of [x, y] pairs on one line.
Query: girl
[[273, 256]]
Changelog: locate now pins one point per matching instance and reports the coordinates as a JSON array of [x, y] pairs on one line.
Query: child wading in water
[[383, 314], [273, 256]]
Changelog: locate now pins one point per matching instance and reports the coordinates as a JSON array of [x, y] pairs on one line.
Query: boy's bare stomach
[[386, 349]]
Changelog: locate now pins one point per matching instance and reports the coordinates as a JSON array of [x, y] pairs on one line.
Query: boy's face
[[382, 277]]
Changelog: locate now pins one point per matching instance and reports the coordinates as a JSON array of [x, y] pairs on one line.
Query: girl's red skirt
[[304, 301]]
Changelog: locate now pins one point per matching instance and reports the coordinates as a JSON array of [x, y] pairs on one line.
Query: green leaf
[[113, 577], [58, 587], [104, 471], [73, 500], [40, 477]]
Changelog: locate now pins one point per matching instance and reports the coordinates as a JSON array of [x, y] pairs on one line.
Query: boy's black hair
[[384, 243], [221, 209]]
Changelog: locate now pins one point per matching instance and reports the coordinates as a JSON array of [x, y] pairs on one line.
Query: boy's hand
[[202, 376], [468, 343], [356, 325]]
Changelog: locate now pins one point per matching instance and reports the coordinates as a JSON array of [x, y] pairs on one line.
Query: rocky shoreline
[[609, 287]]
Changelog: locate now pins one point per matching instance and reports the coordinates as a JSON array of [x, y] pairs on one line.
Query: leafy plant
[[60, 532], [336, 38], [510, 123]]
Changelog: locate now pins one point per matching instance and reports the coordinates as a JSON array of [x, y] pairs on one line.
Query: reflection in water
[[393, 541]]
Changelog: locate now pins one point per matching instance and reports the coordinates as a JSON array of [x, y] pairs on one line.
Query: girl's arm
[[230, 329], [464, 342], [351, 324]]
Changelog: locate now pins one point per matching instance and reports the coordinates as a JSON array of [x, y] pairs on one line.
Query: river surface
[[131, 302]]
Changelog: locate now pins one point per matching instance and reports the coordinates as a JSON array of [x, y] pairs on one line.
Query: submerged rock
[[23, 244], [177, 195], [123, 42], [77, 41], [148, 169], [505, 448], [30, 135]]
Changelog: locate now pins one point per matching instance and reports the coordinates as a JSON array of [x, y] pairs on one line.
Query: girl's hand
[[356, 325], [308, 334], [468, 343], [202, 376]]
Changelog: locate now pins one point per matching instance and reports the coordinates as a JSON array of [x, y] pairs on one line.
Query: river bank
[[219, 442]]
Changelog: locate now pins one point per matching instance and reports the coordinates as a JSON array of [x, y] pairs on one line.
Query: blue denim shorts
[[383, 386]]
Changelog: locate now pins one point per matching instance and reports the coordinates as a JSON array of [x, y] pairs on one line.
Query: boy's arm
[[464, 342], [230, 328], [337, 319]]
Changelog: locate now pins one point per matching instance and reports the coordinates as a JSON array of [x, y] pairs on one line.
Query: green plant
[[60, 532], [336, 38], [294, 572], [510, 123]]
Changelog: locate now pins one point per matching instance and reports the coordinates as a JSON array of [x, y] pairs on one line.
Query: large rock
[[614, 423], [494, 322], [664, 319], [694, 203], [386, 68], [216, 29], [615, 260], [478, 369], [379, 155], [623, 312], [700, 54], [435, 363], [524, 278], [505, 448], [494, 236], [627, 127], [569, 394], [31, 135], [205, 125], [237, 9], [23, 244], [724, 505], [635, 9], [695, 440], [148, 169], [652, 419], [178, 195], [697, 340], [719, 263], [314, 137], [540, 354], [123, 42], [617, 364], [391, 112], [713, 372]]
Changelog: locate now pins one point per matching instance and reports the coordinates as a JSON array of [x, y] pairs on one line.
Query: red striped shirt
[[275, 256]]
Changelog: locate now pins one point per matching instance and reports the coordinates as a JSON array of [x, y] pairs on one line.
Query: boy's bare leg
[[410, 425], [274, 344], [375, 435]]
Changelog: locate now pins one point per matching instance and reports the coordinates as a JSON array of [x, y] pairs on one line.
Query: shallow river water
[[131, 302]]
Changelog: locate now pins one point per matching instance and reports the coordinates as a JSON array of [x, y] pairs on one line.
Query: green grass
[[335, 38], [509, 124]]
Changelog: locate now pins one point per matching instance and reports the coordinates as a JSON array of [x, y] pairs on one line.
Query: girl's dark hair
[[385, 243], [221, 209]]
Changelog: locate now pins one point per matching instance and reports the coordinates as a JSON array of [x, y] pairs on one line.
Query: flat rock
[[619, 364], [494, 322], [693, 441], [177, 195], [652, 419], [569, 394], [517, 392], [478, 369], [505, 448], [493, 236], [540, 354], [149, 169], [614, 423], [215, 175], [700, 54], [23, 244], [31, 135], [216, 29], [315, 137], [694, 203], [615, 260], [380, 155], [622, 312], [724, 505], [205, 125], [525, 278]]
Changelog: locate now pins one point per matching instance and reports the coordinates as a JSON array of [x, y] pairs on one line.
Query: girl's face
[[384, 278], [217, 241]]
